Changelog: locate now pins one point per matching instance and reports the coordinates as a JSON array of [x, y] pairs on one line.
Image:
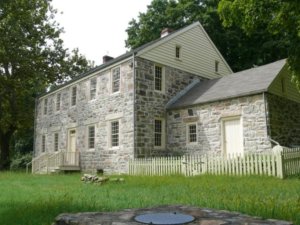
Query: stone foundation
[[203, 216]]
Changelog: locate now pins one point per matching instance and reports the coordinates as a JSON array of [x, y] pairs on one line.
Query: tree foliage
[[241, 51], [31, 57], [276, 17]]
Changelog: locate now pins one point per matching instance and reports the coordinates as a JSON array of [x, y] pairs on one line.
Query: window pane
[[43, 143], [158, 78], [192, 133], [56, 142], [116, 80], [93, 85], [158, 133], [177, 52], [73, 97], [58, 96], [45, 106], [91, 138], [115, 133]]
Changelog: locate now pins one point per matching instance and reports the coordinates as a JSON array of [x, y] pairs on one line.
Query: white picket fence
[[280, 165]]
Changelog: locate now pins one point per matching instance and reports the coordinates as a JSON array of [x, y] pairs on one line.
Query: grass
[[38, 199]]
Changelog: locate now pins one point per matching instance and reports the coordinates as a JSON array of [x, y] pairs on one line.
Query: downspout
[[134, 105], [267, 117], [34, 128]]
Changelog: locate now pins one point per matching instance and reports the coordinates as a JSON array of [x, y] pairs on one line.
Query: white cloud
[[97, 27]]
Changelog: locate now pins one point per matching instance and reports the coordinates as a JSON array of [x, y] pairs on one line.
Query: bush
[[20, 161]]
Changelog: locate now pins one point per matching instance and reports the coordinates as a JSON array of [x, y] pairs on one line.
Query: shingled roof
[[247, 82]]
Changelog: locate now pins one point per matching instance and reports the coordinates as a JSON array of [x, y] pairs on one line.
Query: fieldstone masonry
[[208, 118], [203, 216], [150, 104], [284, 120], [98, 112]]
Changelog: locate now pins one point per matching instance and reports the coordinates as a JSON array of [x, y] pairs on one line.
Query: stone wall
[[208, 118], [98, 112], [284, 120], [151, 104]]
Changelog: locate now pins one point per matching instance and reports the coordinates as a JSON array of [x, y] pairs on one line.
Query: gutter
[[134, 104]]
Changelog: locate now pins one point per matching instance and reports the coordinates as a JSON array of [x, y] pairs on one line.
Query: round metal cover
[[164, 218]]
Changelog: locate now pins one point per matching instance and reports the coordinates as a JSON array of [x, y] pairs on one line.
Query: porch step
[[69, 168]]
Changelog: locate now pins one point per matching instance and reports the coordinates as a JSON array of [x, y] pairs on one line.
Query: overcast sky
[[97, 27]]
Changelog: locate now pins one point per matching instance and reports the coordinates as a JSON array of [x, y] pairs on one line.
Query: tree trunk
[[4, 150]]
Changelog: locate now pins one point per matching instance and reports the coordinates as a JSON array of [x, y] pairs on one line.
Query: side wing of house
[[283, 110], [284, 87], [189, 49]]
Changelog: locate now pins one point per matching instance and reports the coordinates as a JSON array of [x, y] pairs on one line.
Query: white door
[[70, 157], [233, 137]]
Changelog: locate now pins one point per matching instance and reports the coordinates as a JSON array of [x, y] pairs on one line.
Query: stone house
[[175, 95]]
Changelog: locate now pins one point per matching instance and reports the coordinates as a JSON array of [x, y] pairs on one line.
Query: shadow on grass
[[38, 212]]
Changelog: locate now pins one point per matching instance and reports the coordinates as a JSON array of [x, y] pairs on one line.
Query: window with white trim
[[116, 80], [56, 142], [192, 133], [158, 78], [158, 133], [217, 66], [43, 143], [73, 95], [45, 106], [114, 125], [178, 52], [58, 101], [93, 88], [91, 137]]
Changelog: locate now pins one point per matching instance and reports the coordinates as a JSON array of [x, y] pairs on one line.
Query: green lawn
[[38, 199]]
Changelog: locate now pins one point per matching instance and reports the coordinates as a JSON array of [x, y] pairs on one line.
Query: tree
[[240, 50], [277, 17], [32, 56]]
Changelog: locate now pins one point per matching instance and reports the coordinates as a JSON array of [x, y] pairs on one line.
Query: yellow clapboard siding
[[198, 54]]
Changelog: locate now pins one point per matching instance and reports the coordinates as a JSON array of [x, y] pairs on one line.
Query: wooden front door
[[70, 157], [233, 137]]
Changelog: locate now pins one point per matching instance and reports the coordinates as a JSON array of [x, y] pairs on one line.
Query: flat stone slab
[[203, 216]]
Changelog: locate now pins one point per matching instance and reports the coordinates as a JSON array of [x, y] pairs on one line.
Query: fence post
[[183, 165], [280, 165]]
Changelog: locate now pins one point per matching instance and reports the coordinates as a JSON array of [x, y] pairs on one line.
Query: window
[[114, 133], [56, 142], [158, 133], [58, 97], [158, 78], [282, 85], [192, 133], [116, 80], [45, 106], [91, 137], [178, 52], [93, 88], [216, 66], [73, 96], [43, 143]]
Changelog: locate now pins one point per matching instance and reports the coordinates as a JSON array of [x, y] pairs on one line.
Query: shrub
[[20, 161]]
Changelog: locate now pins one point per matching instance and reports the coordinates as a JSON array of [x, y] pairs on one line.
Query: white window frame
[[90, 137], [188, 133], [58, 102], [162, 79], [93, 88], [113, 91], [45, 106], [56, 142], [111, 134], [178, 52], [43, 143], [73, 96], [217, 66], [161, 133]]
